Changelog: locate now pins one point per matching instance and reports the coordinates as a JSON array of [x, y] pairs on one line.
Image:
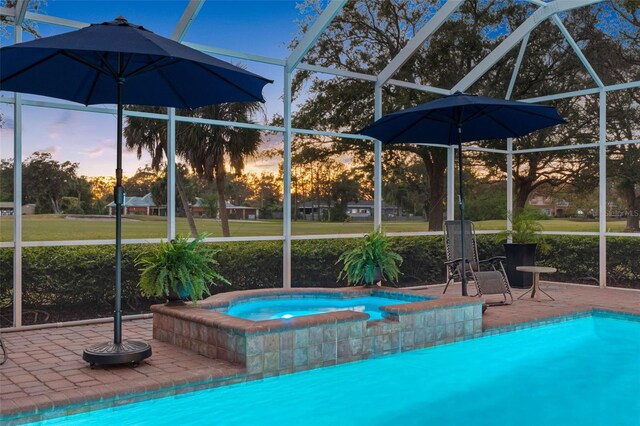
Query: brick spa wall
[[281, 346]]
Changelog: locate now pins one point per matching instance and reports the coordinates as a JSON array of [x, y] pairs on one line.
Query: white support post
[[8, 11], [377, 166], [602, 199], [451, 182], [509, 186], [509, 156], [577, 50], [516, 36], [418, 39], [295, 57], [516, 68], [17, 201], [286, 171], [308, 40], [48, 19], [171, 174], [187, 18], [21, 10], [189, 14]]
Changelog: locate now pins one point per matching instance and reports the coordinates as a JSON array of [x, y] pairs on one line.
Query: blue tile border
[[607, 313], [601, 313]]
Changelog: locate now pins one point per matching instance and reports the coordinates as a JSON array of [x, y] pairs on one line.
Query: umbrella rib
[[504, 126], [108, 65], [417, 122], [25, 69], [129, 59], [387, 119], [93, 86], [173, 88], [482, 113], [95, 82], [525, 110], [148, 67], [228, 81], [406, 129], [522, 110], [85, 62], [479, 113]]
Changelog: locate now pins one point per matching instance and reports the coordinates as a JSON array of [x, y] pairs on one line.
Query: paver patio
[[45, 367]]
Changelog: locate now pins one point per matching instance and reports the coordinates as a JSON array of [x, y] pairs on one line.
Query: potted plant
[[179, 269], [521, 251], [370, 261]]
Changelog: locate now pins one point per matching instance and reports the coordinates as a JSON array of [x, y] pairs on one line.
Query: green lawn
[[59, 227]]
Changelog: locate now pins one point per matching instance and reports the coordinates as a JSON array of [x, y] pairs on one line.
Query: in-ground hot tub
[[313, 304], [344, 328]]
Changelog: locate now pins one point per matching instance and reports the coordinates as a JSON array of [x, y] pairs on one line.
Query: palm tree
[[143, 134], [207, 147], [204, 147]]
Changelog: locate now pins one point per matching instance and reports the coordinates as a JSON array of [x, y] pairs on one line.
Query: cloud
[[259, 166], [270, 140], [6, 134], [266, 163], [61, 125], [105, 145], [95, 152], [53, 149]]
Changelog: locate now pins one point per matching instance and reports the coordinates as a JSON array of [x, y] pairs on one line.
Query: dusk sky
[[260, 27]]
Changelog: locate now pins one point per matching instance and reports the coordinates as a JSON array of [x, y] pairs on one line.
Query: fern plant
[[372, 252], [177, 267], [525, 229]]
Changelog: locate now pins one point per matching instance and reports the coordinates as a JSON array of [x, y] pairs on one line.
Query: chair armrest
[[493, 259], [458, 260]]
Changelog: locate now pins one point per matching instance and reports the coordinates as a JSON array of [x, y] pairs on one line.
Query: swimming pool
[[268, 309], [579, 372]]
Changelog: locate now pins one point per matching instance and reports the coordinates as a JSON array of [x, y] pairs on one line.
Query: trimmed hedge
[[77, 282]]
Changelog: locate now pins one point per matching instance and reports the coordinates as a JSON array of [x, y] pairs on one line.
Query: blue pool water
[[294, 307], [579, 372]]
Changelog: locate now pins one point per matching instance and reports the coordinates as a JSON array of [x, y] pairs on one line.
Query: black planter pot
[[376, 278], [520, 255], [177, 298]]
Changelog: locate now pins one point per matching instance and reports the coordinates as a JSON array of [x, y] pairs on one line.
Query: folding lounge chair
[[491, 280]]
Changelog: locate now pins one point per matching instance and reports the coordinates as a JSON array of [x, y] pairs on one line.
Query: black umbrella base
[[109, 353]]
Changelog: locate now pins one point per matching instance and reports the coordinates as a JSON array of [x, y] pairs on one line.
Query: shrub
[[178, 268], [372, 253], [77, 282]]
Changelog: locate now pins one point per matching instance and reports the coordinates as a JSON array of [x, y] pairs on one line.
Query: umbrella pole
[[118, 352], [119, 199], [461, 206]]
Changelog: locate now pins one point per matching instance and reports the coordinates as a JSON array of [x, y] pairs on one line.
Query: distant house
[[146, 206], [199, 208], [139, 205], [242, 212], [362, 209], [549, 206], [6, 208]]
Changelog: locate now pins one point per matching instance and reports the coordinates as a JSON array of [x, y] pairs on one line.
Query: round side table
[[536, 271]]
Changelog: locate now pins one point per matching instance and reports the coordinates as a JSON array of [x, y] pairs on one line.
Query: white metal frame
[[520, 36]]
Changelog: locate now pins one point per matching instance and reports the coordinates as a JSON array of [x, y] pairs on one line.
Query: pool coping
[[77, 401], [286, 345], [204, 312]]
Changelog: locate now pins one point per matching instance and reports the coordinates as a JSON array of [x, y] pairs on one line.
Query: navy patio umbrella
[[459, 118], [120, 63]]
